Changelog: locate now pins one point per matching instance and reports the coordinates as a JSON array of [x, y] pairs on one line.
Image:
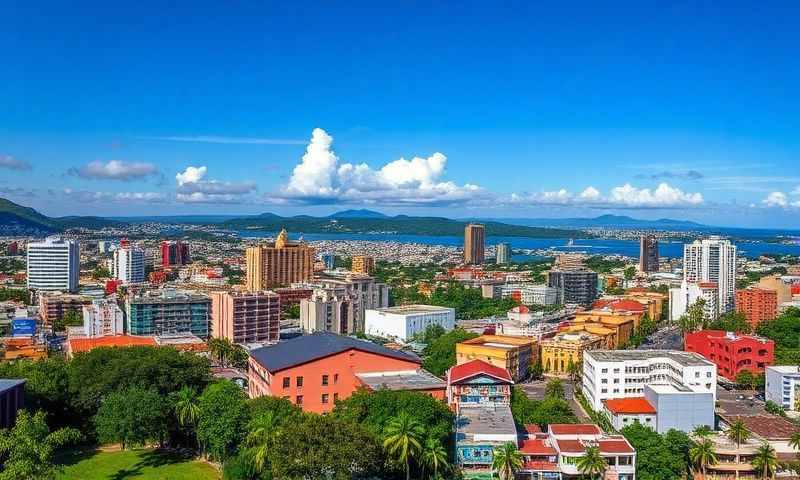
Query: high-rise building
[[648, 253], [683, 297], [577, 287], [502, 253], [103, 317], [174, 253], [166, 312], [474, 238], [339, 305], [758, 305], [329, 260], [279, 263], [128, 264], [712, 259], [363, 264], [54, 264], [246, 317]]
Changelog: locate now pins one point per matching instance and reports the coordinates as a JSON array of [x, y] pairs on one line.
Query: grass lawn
[[142, 464]]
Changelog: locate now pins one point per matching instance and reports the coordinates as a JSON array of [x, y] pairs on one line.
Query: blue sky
[[525, 110]]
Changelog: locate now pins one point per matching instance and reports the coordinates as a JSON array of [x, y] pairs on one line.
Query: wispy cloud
[[114, 170], [667, 174], [11, 163], [227, 140]]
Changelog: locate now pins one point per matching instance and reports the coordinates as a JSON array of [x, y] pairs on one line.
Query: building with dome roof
[[281, 262]]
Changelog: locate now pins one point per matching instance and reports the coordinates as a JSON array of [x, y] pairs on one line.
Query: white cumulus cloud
[[114, 170], [193, 188], [321, 178], [191, 175], [625, 196], [782, 200]]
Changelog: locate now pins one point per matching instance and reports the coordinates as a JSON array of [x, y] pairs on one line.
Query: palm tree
[[434, 456], [702, 454], [554, 388], [403, 435], [703, 431], [259, 440], [591, 463], [765, 460], [738, 432], [794, 441], [506, 460], [186, 408]]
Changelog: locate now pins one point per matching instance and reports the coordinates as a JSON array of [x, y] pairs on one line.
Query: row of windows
[[325, 399], [287, 381]]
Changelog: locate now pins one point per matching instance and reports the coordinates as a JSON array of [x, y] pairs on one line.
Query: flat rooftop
[[768, 427], [402, 380], [688, 359], [484, 420], [9, 383], [414, 309], [784, 368]]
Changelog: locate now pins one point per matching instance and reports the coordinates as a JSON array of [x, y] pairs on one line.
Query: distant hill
[[358, 214], [612, 221], [400, 224], [17, 219]]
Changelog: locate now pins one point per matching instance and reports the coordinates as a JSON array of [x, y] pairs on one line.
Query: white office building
[[54, 264], [680, 299], [781, 385], [502, 253], [712, 260], [103, 317], [530, 294], [403, 322], [609, 374], [128, 263]]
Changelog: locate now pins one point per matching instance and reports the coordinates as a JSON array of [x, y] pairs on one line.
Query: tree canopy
[[440, 354], [658, 457]]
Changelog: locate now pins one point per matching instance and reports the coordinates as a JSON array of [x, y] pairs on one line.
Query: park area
[[139, 464]]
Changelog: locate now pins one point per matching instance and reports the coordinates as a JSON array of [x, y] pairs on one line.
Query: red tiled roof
[[570, 446], [85, 344], [574, 429], [477, 367], [533, 428], [635, 405], [520, 309], [707, 285], [536, 446], [614, 446]]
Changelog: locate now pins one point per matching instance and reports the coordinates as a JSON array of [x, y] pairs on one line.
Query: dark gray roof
[[306, 348], [9, 383]]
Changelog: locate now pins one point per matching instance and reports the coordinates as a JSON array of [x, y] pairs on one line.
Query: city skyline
[[624, 110]]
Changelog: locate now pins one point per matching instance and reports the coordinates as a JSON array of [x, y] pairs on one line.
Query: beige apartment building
[[279, 263], [474, 239], [246, 317], [363, 264]]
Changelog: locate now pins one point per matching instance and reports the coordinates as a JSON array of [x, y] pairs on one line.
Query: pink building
[[246, 317]]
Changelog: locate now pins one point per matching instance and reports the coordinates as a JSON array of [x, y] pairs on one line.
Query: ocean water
[[628, 248]]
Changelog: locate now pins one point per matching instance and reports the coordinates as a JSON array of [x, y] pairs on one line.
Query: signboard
[[23, 327]]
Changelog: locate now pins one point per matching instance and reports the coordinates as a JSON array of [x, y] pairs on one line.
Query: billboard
[[23, 327]]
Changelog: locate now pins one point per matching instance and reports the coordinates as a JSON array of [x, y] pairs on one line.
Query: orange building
[[363, 264], [280, 263], [622, 322], [314, 371], [758, 305]]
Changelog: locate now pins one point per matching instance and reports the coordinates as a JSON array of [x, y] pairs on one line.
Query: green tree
[[434, 455], [46, 387], [658, 457], [702, 455], [540, 412], [71, 318], [536, 371], [375, 410], [738, 432], [326, 447], [765, 461], [402, 439], [794, 441], [702, 431], [101, 273], [731, 322], [221, 420], [694, 318], [27, 449], [630, 272], [591, 463], [554, 388], [132, 417], [574, 370], [440, 354], [506, 460], [262, 431]]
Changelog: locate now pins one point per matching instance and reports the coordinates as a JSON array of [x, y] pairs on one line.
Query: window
[[324, 398], [616, 380], [696, 374], [335, 378], [604, 390], [298, 400], [605, 380], [605, 370], [299, 381], [324, 380], [616, 370], [335, 397], [286, 382]]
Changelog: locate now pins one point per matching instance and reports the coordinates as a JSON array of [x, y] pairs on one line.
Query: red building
[[174, 253], [314, 371], [758, 305], [112, 285], [731, 353]]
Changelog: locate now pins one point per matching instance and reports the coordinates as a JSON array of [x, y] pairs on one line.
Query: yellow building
[[567, 348], [515, 354], [279, 263], [363, 264], [653, 301], [608, 334], [621, 322]]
